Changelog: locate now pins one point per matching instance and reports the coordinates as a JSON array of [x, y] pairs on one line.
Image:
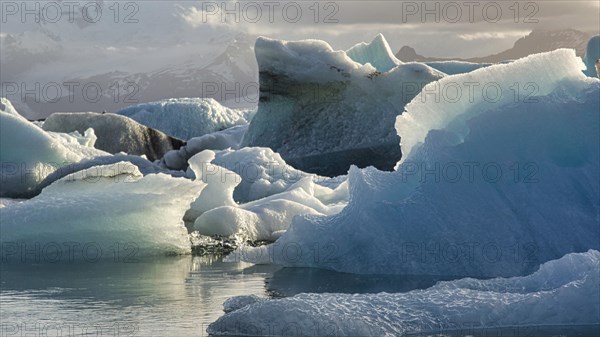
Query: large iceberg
[[115, 133], [28, 154], [323, 111], [185, 118], [89, 214], [561, 292], [491, 185]]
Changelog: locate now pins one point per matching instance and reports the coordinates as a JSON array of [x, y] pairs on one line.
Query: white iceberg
[[185, 118], [561, 292], [272, 192], [486, 189], [89, 214], [28, 154]]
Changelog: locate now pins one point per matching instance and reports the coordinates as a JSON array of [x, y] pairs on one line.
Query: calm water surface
[[175, 296]]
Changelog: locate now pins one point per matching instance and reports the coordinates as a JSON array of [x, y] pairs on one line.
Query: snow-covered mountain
[[538, 41], [122, 63], [229, 75]]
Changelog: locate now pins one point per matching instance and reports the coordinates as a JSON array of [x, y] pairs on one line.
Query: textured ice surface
[[322, 111], [99, 209], [87, 139], [561, 292], [28, 154], [536, 75], [220, 140], [115, 133], [185, 118], [272, 192], [486, 189], [143, 165]]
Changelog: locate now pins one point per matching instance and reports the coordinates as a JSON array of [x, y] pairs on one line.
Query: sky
[[48, 43], [433, 28]]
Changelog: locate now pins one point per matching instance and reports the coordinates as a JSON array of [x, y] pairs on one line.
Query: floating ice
[[143, 165], [28, 154], [91, 213], [322, 111], [185, 118], [487, 189], [220, 140], [279, 193], [115, 133], [561, 292]]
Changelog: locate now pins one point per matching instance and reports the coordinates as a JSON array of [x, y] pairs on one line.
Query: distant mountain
[[537, 41], [228, 76]]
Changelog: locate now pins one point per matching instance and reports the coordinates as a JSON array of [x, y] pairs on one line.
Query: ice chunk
[[323, 112], [266, 218], [142, 164], [28, 154], [185, 118], [493, 189], [115, 133], [220, 140], [100, 208], [264, 178], [377, 53], [592, 55], [554, 295], [219, 188], [87, 139]]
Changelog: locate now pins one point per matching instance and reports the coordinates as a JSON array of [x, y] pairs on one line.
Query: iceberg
[[220, 140], [271, 194], [186, 118], [115, 133], [28, 154], [323, 111], [486, 188], [553, 295], [88, 213]]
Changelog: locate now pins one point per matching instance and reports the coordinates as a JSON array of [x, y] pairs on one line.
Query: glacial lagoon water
[[173, 296]]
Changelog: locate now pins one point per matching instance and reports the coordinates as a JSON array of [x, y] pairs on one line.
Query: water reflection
[[177, 296]]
